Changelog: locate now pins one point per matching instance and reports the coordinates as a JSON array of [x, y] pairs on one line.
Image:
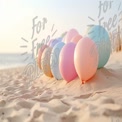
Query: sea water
[[11, 60]]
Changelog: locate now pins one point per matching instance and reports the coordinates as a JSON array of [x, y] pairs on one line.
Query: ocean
[[13, 60]]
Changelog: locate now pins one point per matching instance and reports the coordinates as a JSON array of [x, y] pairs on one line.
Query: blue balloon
[[55, 41], [54, 60], [101, 38]]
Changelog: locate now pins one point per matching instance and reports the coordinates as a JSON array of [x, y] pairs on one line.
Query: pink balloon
[[76, 38], [86, 59], [40, 51], [66, 62], [70, 34]]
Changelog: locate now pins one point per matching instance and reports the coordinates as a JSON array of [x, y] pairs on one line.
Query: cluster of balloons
[[72, 55]]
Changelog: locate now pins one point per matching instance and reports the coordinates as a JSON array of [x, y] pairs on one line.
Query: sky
[[16, 19]]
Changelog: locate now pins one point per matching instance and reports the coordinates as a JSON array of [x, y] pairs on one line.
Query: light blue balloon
[[54, 60], [100, 36]]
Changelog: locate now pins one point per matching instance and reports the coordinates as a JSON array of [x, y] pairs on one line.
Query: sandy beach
[[48, 100]]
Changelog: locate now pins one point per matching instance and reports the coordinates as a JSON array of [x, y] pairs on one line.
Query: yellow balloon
[[45, 62]]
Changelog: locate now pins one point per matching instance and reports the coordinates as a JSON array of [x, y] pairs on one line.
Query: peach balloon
[[76, 38], [66, 62], [70, 34], [86, 59], [40, 51], [45, 62]]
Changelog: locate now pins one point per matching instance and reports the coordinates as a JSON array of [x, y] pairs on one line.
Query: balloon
[[55, 41], [101, 38], [54, 60], [86, 58], [66, 62], [70, 34], [45, 62], [40, 51], [63, 34], [76, 38], [50, 42]]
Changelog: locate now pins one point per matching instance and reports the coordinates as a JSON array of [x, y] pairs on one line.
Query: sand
[[48, 100]]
